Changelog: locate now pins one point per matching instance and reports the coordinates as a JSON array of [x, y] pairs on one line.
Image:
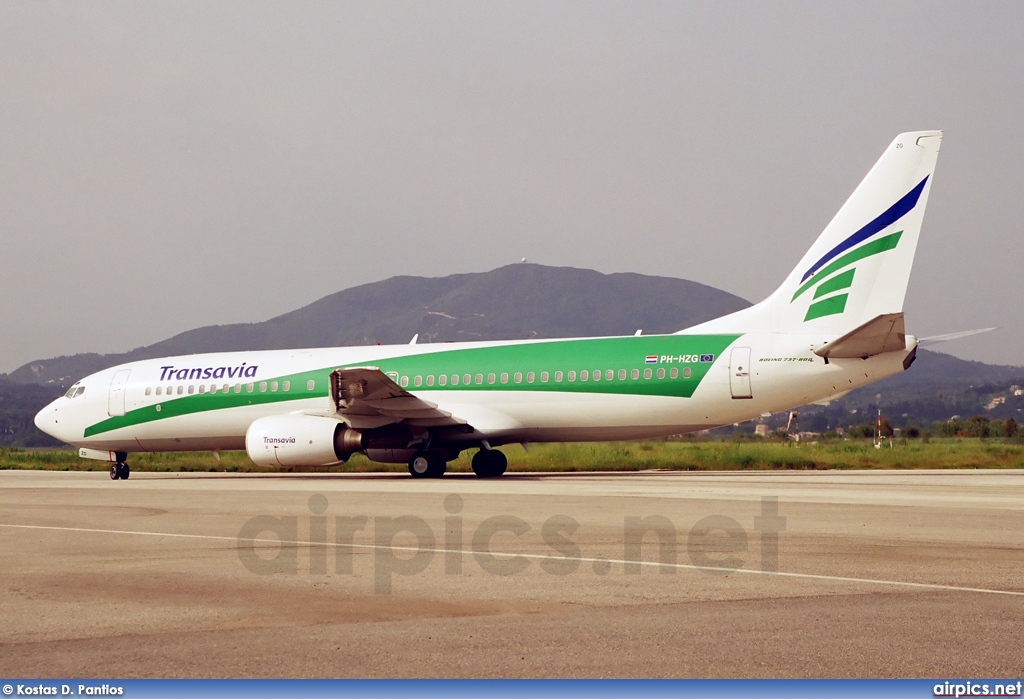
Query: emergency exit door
[[739, 372]]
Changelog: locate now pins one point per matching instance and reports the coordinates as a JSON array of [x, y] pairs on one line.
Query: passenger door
[[739, 372], [115, 402]]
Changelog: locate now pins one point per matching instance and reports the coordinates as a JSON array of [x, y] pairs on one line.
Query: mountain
[[513, 302]]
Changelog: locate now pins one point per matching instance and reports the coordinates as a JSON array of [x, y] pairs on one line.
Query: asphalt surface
[[752, 574]]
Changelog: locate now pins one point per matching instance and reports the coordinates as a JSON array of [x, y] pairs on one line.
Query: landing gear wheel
[[427, 464], [115, 472], [489, 463], [123, 471]]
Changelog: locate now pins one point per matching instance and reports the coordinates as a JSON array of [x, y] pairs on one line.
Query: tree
[[977, 426], [1009, 427], [862, 431]]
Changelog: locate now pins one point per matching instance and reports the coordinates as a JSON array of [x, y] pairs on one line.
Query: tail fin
[[859, 267]]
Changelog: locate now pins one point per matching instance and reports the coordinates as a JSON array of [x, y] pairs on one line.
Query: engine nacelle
[[390, 456], [300, 440]]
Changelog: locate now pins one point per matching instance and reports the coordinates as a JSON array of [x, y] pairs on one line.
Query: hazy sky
[[168, 165]]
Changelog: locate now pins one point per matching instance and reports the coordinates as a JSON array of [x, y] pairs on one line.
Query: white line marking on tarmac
[[535, 556]]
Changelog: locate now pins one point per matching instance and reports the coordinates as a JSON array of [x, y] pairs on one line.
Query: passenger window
[[661, 373], [405, 381], [455, 379], [490, 378], [250, 387], [263, 386], [310, 385], [273, 386], [286, 386], [181, 390], [504, 377], [213, 388], [227, 388], [572, 376], [673, 373], [597, 374], [148, 390], [648, 373], [159, 390], [418, 381], [518, 377], [558, 377], [479, 379], [686, 373], [238, 388], [609, 375], [430, 380], [635, 374], [622, 374], [191, 389], [202, 388], [442, 379], [466, 378], [584, 375], [543, 377], [529, 377]]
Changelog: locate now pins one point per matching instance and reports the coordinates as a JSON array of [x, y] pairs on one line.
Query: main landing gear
[[119, 470], [489, 463], [427, 464]]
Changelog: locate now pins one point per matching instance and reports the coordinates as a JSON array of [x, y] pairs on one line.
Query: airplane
[[835, 324]]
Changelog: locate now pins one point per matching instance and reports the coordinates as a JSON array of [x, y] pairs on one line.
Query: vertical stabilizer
[[858, 268]]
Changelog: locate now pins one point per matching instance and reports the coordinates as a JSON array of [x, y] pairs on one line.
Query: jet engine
[[301, 440]]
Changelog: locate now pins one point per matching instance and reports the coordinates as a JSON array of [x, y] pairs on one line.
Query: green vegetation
[[675, 454]]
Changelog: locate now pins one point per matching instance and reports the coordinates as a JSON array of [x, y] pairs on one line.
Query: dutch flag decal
[[651, 359]]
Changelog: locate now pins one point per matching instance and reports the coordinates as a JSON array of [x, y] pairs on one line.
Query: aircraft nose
[[46, 420]]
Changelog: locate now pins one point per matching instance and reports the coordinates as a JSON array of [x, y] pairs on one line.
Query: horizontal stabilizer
[[936, 339], [884, 333]]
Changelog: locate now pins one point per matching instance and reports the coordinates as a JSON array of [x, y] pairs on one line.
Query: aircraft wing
[[366, 397]]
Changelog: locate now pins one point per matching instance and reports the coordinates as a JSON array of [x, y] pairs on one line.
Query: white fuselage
[[783, 373]]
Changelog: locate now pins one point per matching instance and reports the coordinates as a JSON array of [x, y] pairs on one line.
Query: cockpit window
[[75, 391]]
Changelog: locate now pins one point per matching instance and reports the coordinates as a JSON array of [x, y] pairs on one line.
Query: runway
[[652, 574]]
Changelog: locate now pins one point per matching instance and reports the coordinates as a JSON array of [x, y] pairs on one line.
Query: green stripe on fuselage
[[590, 355]]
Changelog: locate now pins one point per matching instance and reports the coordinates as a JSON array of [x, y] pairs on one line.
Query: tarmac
[[649, 574]]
